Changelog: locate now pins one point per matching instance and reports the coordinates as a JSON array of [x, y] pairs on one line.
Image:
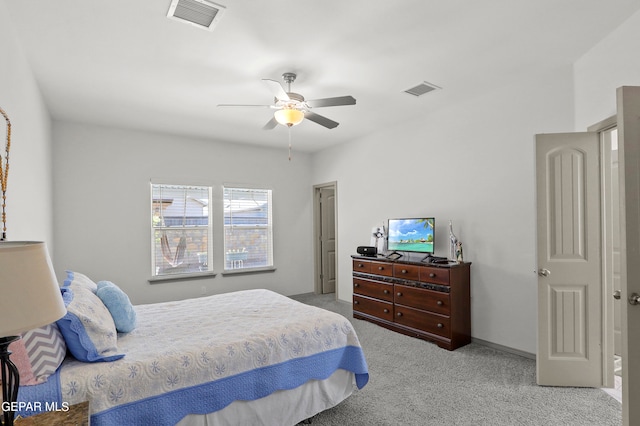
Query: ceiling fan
[[291, 108]]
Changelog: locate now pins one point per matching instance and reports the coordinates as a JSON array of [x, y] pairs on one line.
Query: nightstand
[[77, 415]]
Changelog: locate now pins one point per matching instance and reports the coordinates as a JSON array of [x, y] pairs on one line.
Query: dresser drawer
[[361, 266], [380, 268], [434, 275], [422, 320], [377, 308], [373, 289], [407, 272], [420, 298]]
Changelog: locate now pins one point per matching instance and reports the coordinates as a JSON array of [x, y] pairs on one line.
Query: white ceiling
[[124, 63]]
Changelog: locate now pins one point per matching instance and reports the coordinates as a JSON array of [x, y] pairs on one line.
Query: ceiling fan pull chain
[[289, 143]]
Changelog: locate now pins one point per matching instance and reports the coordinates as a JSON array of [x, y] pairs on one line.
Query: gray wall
[[29, 210], [474, 164], [611, 63], [102, 207], [471, 164]]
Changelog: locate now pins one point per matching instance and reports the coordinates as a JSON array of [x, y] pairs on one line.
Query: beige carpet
[[413, 382]]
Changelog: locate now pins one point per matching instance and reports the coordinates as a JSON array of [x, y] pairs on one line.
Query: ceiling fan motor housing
[[295, 101], [289, 77]]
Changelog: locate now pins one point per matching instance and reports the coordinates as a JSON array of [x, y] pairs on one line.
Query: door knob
[[634, 299], [616, 294], [544, 272]]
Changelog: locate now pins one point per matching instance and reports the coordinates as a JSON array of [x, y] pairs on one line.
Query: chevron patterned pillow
[[38, 354]]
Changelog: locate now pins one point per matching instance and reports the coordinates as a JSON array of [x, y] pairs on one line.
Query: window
[[248, 241], [181, 224]]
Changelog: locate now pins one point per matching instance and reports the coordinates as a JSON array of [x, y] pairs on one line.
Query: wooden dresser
[[427, 301]]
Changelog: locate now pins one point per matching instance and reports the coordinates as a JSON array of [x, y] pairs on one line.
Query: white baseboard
[[504, 348]]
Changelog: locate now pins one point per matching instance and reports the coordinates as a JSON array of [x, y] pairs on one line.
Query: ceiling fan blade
[[277, 89], [326, 102], [237, 105], [271, 124], [321, 120]]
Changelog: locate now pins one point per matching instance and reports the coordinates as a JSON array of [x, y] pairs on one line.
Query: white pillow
[[88, 327]]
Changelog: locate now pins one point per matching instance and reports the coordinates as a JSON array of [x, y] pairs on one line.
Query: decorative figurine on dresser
[[428, 301], [453, 243]]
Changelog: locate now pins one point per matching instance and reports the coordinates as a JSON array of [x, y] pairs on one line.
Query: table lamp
[[29, 298]]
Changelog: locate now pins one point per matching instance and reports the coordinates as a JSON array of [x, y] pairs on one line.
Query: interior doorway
[[611, 243], [571, 338], [325, 238], [610, 142], [609, 138], [628, 161], [584, 229]]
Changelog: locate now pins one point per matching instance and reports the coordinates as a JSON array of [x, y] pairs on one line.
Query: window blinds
[[248, 241]]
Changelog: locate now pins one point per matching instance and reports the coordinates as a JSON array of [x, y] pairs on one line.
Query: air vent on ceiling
[[200, 13], [421, 89]]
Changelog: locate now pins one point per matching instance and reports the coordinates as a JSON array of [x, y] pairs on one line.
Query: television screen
[[415, 235]]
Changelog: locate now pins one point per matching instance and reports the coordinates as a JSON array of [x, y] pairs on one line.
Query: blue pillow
[[88, 327], [118, 304]]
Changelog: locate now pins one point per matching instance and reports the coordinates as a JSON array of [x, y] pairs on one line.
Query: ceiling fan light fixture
[[289, 116]]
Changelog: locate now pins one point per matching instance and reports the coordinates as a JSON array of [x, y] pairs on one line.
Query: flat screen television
[[411, 235]]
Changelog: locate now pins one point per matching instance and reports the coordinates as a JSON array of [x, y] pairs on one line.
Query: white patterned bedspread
[[198, 355]]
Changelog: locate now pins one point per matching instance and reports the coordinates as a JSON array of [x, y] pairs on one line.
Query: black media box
[[367, 251]]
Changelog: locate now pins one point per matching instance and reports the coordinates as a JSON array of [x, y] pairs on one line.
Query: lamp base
[[10, 379]]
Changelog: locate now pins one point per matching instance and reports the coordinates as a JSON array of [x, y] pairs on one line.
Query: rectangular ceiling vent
[[421, 89], [200, 13]]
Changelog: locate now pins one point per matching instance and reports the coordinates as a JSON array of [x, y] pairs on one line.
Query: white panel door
[[328, 239], [570, 322], [628, 119]]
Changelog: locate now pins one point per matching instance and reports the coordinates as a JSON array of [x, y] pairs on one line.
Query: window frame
[[229, 270], [209, 232]]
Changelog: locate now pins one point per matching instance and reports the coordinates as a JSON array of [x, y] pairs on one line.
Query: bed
[[250, 357]]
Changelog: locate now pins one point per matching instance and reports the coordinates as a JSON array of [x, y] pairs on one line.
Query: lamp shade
[[289, 116], [29, 291]]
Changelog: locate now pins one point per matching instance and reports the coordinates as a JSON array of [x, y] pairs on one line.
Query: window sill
[[181, 277], [242, 271]]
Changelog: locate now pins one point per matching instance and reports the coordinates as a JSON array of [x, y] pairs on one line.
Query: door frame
[[608, 376], [317, 250]]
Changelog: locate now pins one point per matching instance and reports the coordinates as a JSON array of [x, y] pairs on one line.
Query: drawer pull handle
[[432, 275], [355, 302], [404, 271], [380, 268], [440, 325], [385, 291], [399, 314], [386, 311], [399, 294], [360, 265], [356, 285], [439, 303]]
